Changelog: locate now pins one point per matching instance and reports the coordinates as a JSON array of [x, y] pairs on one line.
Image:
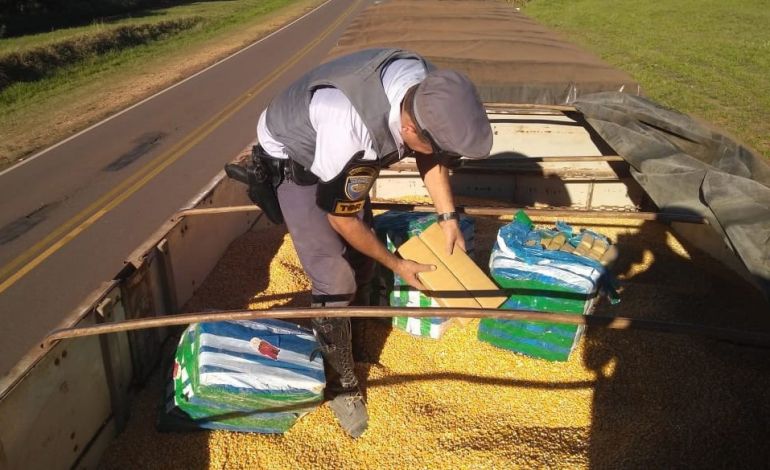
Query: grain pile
[[624, 398]]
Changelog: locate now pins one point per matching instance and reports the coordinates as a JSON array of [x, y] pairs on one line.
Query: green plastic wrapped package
[[540, 280], [251, 376]]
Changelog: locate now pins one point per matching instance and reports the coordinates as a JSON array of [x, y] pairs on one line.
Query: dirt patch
[[53, 119]]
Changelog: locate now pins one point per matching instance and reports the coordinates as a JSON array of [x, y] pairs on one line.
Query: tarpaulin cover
[[686, 167], [508, 56]]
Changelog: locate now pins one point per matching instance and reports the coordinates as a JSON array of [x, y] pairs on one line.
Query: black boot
[[347, 401]]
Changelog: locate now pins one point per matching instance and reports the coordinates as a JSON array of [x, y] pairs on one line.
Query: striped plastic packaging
[[252, 376], [539, 280]]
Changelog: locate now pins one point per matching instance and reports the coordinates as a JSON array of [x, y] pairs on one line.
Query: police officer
[[322, 143]]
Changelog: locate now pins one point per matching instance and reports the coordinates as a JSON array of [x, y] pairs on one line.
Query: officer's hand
[[452, 235], [408, 270]]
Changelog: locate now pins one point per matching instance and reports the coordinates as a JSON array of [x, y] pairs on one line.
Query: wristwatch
[[444, 216]]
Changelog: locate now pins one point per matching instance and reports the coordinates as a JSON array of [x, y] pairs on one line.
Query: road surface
[[71, 214]]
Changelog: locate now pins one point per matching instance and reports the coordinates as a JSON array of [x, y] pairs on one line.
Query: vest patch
[[348, 208], [359, 181]]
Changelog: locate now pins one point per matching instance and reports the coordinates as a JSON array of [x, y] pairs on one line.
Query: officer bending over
[[322, 143]]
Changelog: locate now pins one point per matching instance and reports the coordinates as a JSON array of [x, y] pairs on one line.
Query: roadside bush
[[19, 17], [42, 61]]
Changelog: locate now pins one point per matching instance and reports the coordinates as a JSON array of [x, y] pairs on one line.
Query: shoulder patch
[[359, 181]]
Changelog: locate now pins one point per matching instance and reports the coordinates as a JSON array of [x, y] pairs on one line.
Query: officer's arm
[[361, 237], [343, 198], [436, 178]]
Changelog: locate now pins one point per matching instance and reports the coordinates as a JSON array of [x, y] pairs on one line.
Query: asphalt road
[[70, 215]]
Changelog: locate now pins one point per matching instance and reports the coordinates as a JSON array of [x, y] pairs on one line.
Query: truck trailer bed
[[624, 396]]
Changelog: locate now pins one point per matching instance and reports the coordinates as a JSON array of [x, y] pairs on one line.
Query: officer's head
[[443, 115]]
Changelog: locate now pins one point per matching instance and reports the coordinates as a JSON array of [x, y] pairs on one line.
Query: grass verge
[[39, 62], [707, 58], [36, 114]]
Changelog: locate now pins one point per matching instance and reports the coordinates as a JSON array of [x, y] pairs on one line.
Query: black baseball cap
[[450, 114]]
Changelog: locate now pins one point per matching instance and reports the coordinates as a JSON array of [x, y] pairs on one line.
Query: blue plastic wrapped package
[[542, 280], [253, 376]]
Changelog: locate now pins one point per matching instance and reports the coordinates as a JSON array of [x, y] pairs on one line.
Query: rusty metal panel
[[395, 185], [50, 416], [523, 189], [93, 455], [139, 302], [625, 194], [497, 187], [195, 244], [533, 191], [540, 135]]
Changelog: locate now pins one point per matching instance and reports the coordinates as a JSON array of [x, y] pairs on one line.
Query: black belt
[[286, 169]]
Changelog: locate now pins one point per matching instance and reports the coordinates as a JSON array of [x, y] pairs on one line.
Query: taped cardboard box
[[394, 228], [457, 281]]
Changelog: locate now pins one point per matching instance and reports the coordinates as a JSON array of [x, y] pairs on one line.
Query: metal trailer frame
[[65, 400]]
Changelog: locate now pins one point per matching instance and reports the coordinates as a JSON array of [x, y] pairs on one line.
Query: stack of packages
[[394, 228], [546, 271], [252, 376]]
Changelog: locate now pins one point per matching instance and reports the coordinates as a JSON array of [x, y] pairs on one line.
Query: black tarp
[[685, 166]]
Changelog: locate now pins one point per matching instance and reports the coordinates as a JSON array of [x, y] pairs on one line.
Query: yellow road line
[[132, 184]]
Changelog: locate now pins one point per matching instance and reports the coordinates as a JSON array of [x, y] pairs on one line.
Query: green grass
[[38, 62], [25, 106], [218, 16], [707, 58]]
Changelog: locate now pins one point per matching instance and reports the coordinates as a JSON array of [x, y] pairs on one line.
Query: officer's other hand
[[408, 270], [452, 235]]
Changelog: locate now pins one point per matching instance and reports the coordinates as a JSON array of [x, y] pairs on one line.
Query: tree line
[[20, 17]]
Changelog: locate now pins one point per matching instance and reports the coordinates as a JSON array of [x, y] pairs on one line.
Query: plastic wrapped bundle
[[253, 376], [541, 277], [432, 327], [394, 228]]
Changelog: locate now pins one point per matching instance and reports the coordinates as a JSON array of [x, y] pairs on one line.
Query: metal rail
[[616, 323], [509, 210], [491, 211], [529, 106], [502, 162]]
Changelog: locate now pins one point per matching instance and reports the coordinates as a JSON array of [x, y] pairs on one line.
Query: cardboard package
[[394, 228], [457, 281]]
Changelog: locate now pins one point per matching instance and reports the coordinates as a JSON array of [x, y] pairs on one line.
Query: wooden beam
[[490, 211], [616, 323]]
